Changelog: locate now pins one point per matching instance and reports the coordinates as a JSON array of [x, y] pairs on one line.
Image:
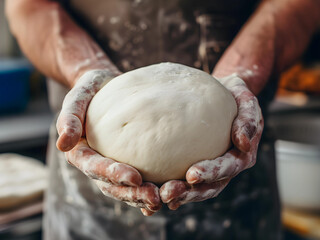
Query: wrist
[[252, 54], [234, 83], [255, 75], [95, 77], [102, 68]]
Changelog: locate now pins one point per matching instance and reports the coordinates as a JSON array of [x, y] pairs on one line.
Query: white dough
[[22, 180], [161, 119]]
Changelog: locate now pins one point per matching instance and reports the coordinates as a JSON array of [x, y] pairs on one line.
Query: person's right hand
[[117, 180]]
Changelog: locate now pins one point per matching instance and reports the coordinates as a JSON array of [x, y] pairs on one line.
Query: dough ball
[[22, 180], [161, 119]]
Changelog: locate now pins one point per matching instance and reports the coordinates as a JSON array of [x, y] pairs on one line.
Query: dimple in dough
[[161, 119]]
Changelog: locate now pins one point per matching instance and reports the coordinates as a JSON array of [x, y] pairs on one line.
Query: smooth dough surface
[[161, 119]]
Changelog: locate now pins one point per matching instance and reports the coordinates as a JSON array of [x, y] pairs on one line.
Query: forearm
[[53, 42], [274, 37]]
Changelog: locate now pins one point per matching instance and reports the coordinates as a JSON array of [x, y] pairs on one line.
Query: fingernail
[[193, 177], [153, 208], [59, 144], [174, 205], [64, 144], [146, 213]]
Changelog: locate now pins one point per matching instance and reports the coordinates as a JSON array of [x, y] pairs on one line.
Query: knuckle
[[68, 158], [252, 162], [68, 161]]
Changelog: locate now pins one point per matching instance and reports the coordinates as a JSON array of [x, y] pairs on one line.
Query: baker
[[84, 44]]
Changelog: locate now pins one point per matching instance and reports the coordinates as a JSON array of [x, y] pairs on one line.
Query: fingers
[[208, 178], [145, 196], [227, 166], [71, 118], [116, 180], [146, 212], [98, 167], [172, 191], [75, 104], [176, 193], [249, 121], [69, 128]]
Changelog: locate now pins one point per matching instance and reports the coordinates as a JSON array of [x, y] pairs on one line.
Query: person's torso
[[136, 33]]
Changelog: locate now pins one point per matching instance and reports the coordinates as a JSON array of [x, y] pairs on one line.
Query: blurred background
[[25, 118]]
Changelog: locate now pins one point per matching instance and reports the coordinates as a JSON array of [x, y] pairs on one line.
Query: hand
[[70, 123], [117, 180], [206, 179]]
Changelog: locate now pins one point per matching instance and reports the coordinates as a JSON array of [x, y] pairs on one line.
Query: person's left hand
[[116, 180], [207, 178]]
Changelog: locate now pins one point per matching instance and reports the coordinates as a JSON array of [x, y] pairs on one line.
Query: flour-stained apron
[[137, 33]]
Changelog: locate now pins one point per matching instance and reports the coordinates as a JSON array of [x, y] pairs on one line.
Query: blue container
[[14, 84]]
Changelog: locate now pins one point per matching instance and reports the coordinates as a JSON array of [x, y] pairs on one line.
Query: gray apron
[[138, 33]]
